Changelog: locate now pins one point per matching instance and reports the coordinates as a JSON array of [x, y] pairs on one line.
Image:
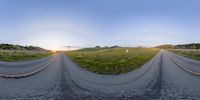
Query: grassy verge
[[194, 54], [17, 55], [112, 61]]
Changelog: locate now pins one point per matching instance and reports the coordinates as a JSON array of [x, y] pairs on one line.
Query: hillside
[[180, 46], [165, 46], [188, 46], [98, 48], [19, 47]]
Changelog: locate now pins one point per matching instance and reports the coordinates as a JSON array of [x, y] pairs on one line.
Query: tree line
[[181, 46]]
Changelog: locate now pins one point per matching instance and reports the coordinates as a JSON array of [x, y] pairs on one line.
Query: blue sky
[[55, 23]]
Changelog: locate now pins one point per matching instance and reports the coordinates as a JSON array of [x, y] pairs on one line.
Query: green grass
[[112, 61], [18, 55], [194, 54]]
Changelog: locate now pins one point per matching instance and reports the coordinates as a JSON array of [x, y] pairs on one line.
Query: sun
[[53, 48]]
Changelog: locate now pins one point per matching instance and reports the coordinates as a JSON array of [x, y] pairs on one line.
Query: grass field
[[112, 61], [17, 55], [190, 53]]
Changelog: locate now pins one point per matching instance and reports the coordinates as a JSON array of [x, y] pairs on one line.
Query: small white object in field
[[126, 50]]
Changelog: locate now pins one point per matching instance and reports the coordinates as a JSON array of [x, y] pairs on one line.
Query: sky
[[52, 24]]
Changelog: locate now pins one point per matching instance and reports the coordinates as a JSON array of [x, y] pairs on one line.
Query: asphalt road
[[166, 76]]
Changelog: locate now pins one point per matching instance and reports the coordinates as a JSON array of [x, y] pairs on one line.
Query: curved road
[[166, 76]]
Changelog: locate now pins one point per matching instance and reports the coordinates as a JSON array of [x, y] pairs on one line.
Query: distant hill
[[98, 48], [180, 46], [188, 46], [168, 46], [19, 47]]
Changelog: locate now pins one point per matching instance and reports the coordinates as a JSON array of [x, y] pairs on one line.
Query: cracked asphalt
[[158, 79]]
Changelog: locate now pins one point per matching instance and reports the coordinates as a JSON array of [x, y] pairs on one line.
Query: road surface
[[166, 76]]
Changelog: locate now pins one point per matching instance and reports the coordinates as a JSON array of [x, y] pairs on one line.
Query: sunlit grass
[[190, 53], [18, 55], [112, 61]]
